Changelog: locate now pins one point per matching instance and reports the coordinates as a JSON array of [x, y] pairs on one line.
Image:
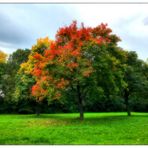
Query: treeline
[[95, 75], [100, 103]]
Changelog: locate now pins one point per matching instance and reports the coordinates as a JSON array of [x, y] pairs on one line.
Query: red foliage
[[38, 92], [67, 48], [37, 72], [37, 56], [35, 89], [51, 52], [75, 53]]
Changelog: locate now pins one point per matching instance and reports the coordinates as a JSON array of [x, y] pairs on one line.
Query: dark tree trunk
[[38, 108], [126, 98], [80, 103]]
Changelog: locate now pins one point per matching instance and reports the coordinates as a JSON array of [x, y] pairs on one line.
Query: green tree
[[3, 60], [9, 77], [136, 79]]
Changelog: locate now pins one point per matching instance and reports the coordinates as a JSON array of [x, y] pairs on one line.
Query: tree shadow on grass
[[74, 118]]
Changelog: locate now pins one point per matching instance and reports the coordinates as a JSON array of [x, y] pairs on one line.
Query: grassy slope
[[97, 128]]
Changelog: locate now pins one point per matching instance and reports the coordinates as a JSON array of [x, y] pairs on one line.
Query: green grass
[[97, 128]]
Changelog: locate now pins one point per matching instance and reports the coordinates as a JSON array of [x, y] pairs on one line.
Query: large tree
[[79, 58]]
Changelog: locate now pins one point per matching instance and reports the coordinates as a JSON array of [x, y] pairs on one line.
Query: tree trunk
[[80, 103], [38, 108], [126, 97]]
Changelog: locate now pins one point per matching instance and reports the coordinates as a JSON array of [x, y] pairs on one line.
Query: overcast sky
[[22, 24]]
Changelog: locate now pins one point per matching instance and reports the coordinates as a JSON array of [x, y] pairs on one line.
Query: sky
[[22, 24]]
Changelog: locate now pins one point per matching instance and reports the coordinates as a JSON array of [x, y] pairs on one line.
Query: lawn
[[62, 129]]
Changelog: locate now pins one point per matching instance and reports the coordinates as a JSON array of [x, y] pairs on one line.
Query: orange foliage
[[72, 65], [37, 72], [62, 83], [67, 48], [37, 56], [75, 53]]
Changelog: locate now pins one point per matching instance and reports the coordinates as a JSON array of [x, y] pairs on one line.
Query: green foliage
[[136, 78], [8, 78], [12, 66], [18, 57]]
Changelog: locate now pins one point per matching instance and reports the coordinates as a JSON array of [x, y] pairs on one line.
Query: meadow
[[66, 129]]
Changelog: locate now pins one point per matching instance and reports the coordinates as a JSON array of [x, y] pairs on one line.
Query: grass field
[[62, 129]]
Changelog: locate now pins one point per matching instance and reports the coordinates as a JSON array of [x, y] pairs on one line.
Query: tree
[[136, 79], [18, 57], [3, 59], [76, 60], [9, 78], [24, 77]]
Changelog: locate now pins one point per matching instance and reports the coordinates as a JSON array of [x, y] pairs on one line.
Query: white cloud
[[129, 21]]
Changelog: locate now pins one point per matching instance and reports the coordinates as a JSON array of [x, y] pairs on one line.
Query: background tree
[[136, 79], [25, 80], [9, 78], [3, 59]]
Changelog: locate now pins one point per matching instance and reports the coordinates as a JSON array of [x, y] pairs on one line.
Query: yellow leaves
[[30, 58], [3, 57], [26, 68], [42, 43], [45, 41]]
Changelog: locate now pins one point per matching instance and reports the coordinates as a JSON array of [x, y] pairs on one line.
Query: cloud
[[145, 21], [11, 32], [22, 24]]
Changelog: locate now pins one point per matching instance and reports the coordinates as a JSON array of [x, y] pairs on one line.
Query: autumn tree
[[25, 79], [76, 59]]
